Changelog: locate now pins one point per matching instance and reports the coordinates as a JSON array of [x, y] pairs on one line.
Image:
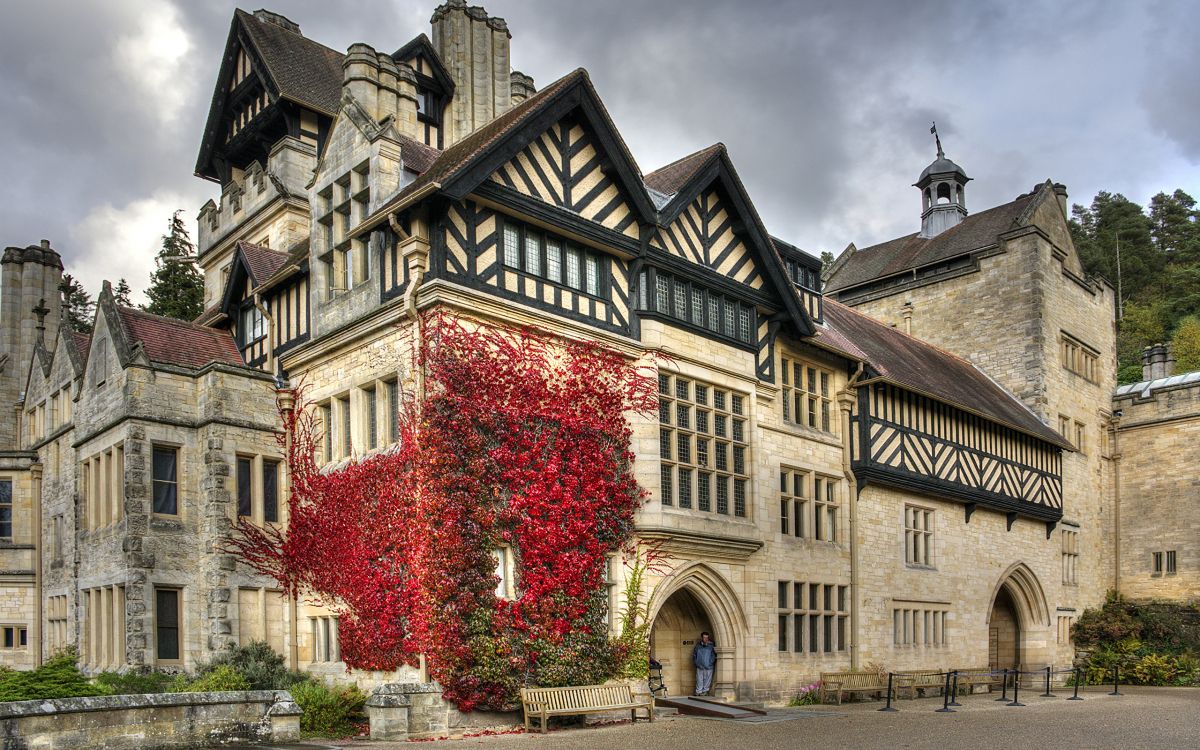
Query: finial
[[41, 311], [938, 140]]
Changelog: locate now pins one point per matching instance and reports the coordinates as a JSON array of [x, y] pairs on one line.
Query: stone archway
[[1019, 621], [693, 599]]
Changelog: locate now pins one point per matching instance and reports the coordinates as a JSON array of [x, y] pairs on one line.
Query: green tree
[[78, 307], [1114, 221], [176, 287], [1175, 227], [121, 293], [1144, 324], [1185, 344], [827, 260]]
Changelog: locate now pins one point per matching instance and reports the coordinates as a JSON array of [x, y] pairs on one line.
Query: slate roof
[[1144, 388], [416, 155], [262, 262], [921, 367], [175, 342], [911, 251], [669, 179], [305, 71]]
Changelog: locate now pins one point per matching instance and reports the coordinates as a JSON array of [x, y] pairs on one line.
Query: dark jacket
[[704, 655]]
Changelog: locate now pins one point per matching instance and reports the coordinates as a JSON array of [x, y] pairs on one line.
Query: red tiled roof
[[262, 262], [416, 155], [922, 367], [669, 179], [83, 344], [175, 342]]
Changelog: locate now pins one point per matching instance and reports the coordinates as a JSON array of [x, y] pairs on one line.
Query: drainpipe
[[35, 472], [415, 250], [287, 404], [1115, 422], [846, 399]]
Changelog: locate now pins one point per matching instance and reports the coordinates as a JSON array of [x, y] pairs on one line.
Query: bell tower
[[943, 193]]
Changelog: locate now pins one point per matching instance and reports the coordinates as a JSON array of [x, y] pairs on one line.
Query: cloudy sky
[[825, 106]]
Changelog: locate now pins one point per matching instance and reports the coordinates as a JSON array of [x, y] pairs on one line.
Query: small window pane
[[244, 466], [271, 491]]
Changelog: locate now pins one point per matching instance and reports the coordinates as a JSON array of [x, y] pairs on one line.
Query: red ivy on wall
[[520, 442]]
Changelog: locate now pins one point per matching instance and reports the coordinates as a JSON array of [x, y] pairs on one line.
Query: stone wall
[[151, 722], [1159, 452]]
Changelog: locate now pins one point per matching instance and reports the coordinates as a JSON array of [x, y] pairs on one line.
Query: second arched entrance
[[676, 629]]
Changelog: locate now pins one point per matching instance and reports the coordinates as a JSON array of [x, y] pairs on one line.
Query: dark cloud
[[825, 106]]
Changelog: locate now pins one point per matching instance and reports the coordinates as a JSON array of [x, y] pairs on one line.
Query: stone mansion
[[920, 460]]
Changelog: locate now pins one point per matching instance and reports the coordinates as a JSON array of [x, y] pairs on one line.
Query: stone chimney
[[522, 87], [1060, 191], [1157, 362], [381, 86], [474, 47]]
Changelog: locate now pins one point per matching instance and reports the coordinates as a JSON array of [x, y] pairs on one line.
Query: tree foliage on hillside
[[1159, 275], [176, 287]]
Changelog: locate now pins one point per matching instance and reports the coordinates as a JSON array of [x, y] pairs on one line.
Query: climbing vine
[[519, 442]]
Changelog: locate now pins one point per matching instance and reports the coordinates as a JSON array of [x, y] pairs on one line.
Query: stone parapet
[[148, 722]]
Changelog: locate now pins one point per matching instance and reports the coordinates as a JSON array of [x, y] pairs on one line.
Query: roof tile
[[176, 342]]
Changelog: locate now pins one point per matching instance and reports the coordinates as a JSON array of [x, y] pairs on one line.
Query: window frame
[[7, 504], [592, 267], [801, 407], [696, 306], [812, 618], [179, 624], [176, 452], [919, 537]]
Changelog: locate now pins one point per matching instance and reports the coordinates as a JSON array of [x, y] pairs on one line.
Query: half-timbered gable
[[435, 88], [931, 422], [565, 167], [245, 309], [273, 82]]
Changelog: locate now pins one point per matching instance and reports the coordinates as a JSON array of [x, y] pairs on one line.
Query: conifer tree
[[176, 287], [121, 293], [78, 306]]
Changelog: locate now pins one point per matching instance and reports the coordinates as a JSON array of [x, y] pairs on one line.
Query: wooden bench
[[851, 682], [584, 699], [919, 679], [969, 678]]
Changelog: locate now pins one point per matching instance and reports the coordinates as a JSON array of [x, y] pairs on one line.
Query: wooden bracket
[[1050, 528], [970, 508], [1012, 518]]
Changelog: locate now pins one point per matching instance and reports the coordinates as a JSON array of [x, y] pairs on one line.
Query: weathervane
[[933, 130]]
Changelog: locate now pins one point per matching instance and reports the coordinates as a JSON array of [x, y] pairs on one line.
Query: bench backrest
[[853, 679], [582, 696]]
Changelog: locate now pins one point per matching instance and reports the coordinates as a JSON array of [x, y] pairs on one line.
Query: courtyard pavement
[[1142, 718]]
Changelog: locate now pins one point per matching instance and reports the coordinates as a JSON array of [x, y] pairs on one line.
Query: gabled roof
[[670, 178], [175, 342], [297, 69], [416, 156], [421, 45], [912, 251], [921, 367], [465, 164], [304, 71], [82, 343], [261, 262], [695, 173]]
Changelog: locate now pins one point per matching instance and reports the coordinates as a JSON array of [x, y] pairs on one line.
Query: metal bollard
[[945, 709], [1116, 680], [888, 708], [1076, 697], [1016, 701], [954, 691], [1048, 694], [1004, 687]]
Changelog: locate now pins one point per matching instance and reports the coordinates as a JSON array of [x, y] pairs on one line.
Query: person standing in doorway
[[704, 657]]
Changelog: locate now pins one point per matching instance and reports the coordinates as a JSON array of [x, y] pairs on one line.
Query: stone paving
[[1142, 718]]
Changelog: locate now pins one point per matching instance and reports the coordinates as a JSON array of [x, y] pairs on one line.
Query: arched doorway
[[1004, 632], [678, 625], [1019, 621]]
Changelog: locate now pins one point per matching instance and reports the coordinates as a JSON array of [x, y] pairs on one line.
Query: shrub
[[1153, 669], [134, 683], [215, 679], [259, 664], [328, 711], [59, 677]]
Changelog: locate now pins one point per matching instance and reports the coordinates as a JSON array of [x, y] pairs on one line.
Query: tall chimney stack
[[474, 47]]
